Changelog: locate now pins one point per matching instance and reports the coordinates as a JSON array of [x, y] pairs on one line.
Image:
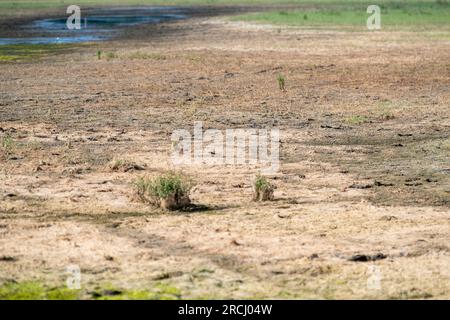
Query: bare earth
[[344, 188]]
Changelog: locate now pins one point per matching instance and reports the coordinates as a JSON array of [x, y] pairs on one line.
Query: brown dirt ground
[[382, 186]]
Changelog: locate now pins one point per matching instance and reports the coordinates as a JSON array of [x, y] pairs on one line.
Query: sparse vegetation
[[160, 291], [357, 120], [27, 52], [147, 56], [7, 144], [170, 190], [385, 111], [262, 189], [34, 290]]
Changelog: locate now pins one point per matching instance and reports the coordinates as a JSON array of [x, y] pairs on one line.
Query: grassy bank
[[24, 7], [35, 290], [393, 14]]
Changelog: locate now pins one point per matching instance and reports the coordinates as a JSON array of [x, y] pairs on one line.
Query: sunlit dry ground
[[364, 163]]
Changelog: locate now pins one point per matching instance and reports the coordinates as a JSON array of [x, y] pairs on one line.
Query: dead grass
[[343, 190]]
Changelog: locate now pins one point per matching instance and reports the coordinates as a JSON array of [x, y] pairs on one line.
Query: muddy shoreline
[[12, 26]]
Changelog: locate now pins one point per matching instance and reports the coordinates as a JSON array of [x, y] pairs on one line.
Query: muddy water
[[101, 24]]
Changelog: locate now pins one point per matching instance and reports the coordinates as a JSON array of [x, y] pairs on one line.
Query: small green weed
[[281, 82]]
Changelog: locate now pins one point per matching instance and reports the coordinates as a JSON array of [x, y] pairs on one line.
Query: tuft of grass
[[169, 190], [7, 144], [9, 58], [281, 82], [163, 185], [261, 183], [357, 120], [35, 291], [262, 189], [99, 54]]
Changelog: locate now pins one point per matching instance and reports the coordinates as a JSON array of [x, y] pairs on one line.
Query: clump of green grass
[[281, 82], [35, 291], [357, 120], [7, 144], [262, 189], [99, 54], [169, 191]]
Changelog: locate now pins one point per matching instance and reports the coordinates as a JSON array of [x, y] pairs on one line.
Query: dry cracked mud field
[[365, 163]]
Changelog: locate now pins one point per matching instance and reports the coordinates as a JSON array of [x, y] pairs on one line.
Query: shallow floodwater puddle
[[98, 25]]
